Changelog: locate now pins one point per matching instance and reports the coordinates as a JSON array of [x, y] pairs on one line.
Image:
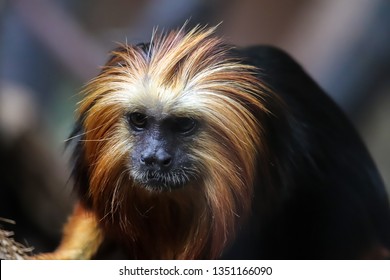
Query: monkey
[[189, 147]]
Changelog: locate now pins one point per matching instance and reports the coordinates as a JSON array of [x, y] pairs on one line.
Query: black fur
[[333, 204], [80, 173]]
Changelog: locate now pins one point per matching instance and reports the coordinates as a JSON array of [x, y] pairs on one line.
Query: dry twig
[[9, 248]]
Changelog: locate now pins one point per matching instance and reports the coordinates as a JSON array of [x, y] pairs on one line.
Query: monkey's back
[[331, 202]]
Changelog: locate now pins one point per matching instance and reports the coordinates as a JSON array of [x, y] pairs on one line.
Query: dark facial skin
[[159, 156]]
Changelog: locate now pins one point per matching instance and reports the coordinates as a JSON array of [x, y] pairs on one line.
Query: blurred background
[[50, 48]]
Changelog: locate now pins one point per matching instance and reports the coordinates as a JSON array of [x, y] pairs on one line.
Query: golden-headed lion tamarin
[[189, 148]]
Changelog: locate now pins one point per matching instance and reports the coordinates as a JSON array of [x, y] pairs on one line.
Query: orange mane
[[182, 74]]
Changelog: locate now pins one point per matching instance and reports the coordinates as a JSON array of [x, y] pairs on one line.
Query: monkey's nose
[[158, 159]]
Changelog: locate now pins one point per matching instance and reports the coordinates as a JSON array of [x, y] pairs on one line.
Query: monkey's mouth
[[161, 181]]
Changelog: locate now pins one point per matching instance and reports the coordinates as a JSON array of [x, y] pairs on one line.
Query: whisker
[[97, 140], [82, 134]]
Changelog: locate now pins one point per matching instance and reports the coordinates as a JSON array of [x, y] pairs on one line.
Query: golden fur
[[181, 74]]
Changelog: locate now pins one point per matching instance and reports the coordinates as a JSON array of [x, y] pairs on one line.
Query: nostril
[[148, 160], [166, 162], [163, 158]]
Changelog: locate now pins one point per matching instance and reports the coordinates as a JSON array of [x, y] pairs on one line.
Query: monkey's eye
[[185, 125], [138, 120]]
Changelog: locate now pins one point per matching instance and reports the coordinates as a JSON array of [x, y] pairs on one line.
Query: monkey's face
[[179, 112], [160, 149]]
